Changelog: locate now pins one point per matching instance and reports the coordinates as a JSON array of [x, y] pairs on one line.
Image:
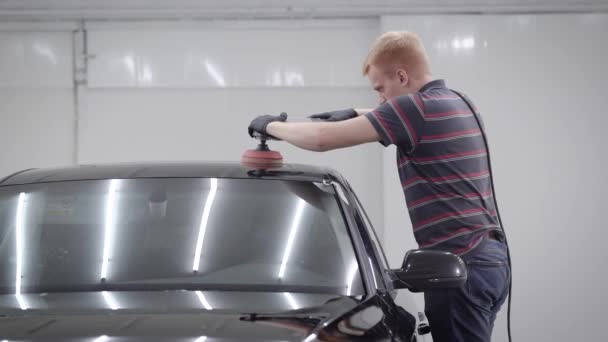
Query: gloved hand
[[260, 123], [336, 115]]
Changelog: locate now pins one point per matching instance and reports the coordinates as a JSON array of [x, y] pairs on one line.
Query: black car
[[200, 252]]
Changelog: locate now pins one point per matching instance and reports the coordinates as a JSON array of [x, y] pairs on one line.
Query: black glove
[[337, 115], [260, 123]]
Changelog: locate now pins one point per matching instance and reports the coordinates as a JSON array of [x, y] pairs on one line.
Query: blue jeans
[[467, 314]]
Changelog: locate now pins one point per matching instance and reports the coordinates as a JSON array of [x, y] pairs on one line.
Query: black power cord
[[504, 235]]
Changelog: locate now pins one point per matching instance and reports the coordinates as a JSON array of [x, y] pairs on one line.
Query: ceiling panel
[[244, 9]]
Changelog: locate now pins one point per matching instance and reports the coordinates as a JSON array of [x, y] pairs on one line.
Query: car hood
[[194, 316]]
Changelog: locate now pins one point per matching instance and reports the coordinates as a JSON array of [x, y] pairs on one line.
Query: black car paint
[[375, 317]]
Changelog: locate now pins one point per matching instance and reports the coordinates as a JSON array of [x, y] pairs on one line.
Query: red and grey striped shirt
[[443, 166]]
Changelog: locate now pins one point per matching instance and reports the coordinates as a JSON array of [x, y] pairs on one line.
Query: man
[[444, 171]]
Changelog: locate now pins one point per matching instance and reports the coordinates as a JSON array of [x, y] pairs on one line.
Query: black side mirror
[[425, 269]]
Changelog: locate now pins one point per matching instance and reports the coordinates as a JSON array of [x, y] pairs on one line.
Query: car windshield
[[175, 233]]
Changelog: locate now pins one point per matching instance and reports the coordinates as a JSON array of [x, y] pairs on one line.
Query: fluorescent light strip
[[110, 300], [101, 338], [19, 242], [109, 226], [203, 300], [291, 300], [203, 227], [292, 234], [351, 276], [201, 339]]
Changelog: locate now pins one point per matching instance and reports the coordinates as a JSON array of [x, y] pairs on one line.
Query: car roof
[[167, 170]]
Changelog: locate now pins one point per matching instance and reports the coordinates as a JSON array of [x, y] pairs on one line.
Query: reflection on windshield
[[352, 276], [292, 235], [110, 219], [19, 223], [166, 233], [204, 220]]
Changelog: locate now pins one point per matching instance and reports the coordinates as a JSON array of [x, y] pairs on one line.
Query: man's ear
[[402, 76]]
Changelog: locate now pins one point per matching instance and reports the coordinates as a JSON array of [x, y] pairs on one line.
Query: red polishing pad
[[262, 159]]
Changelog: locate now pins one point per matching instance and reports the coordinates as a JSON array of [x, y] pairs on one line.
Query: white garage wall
[[540, 83], [240, 54], [159, 91], [36, 102]]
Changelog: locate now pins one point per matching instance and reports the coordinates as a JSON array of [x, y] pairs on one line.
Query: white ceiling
[[247, 9]]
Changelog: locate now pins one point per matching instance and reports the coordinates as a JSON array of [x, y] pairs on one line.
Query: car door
[[403, 303]]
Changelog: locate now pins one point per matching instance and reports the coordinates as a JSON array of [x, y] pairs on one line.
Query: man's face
[[387, 86]]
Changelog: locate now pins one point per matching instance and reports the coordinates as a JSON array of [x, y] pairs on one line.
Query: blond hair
[[398, 50]]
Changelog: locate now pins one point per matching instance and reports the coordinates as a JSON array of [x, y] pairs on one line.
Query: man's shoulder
[[437, 94], [442, 99], [412, 101]]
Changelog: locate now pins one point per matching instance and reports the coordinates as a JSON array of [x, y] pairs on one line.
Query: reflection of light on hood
[[102, 338], [203, 226], [201, 339], [22, 302], [215, 73], [292, 235], [291, 300], [110, 300], [310, 338], [362, 321], [203, 300]]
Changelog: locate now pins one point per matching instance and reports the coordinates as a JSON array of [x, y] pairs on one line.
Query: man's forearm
[[325, 136], [306, 135]]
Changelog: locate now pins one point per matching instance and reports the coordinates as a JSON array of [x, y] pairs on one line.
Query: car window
[[372, 232], [273, 234]]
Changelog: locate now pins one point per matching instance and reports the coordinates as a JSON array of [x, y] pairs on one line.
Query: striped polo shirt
[[443, 166]]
